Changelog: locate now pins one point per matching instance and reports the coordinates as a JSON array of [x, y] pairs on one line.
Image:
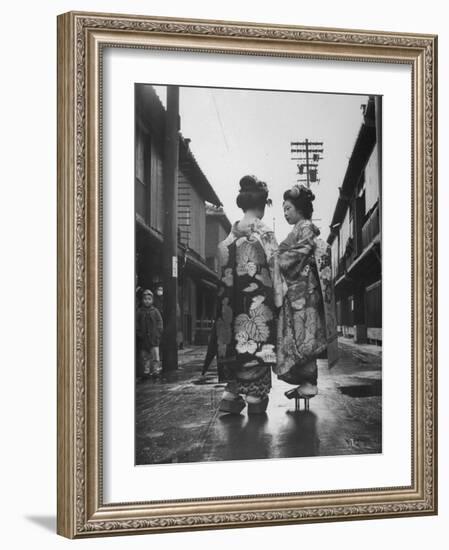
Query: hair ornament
[[299, 189], [295, 191]]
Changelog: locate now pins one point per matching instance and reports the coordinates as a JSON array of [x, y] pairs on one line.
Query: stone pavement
[[177, 417]]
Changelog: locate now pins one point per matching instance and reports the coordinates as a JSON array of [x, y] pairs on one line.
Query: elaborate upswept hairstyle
[[302, 198], [253, 193]]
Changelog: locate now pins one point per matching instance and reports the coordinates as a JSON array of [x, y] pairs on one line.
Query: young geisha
[[307, 320], [246, 324]]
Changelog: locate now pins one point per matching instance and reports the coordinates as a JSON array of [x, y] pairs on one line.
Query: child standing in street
[[149, 328]]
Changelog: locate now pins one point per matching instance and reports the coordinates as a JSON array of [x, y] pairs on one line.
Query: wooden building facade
[[197, 277], [355, 236]]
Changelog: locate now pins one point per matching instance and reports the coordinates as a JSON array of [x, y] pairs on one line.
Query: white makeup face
[[290, 213]]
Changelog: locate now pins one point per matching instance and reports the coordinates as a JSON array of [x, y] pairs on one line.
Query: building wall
[[156, 190], [373, 310], [212, 237], [194, 297], [367, 191], [149, 180], [198, 225], [334, 257], [149, 196], [371, 181], [371, 225], [184, 209], [215, 233], [189, 300], [140, 174], [344, 235], [359, 302], [191, 216]]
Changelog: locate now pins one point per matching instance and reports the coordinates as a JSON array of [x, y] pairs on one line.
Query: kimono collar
[[257, 226], [310, 224]]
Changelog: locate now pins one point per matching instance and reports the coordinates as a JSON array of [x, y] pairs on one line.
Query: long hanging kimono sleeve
[[272, 253], [296, 250], [306, 326]]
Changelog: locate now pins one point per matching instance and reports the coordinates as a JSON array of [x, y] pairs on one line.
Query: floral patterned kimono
[[246, 327], [307, 321]]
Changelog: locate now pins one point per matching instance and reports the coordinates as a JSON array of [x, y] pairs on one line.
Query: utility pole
[[308, 153], [170, 248], [307, 162]]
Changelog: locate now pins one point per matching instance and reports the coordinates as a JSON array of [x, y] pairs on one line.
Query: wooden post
[[307, 163], [170, 247], [359, 319]]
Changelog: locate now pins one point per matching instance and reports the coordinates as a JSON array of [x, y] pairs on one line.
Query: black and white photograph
[[224, 237], [258, 280]]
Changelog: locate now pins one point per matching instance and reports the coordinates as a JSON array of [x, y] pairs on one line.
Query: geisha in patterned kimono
[[246, 324], [307, 320]]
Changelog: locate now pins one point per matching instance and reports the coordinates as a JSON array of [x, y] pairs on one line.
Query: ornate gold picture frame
[[82, 40]]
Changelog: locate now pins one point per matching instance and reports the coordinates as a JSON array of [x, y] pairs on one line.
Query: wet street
[[177, 417]]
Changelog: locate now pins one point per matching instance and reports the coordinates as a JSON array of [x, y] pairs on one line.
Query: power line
[[219, 120]]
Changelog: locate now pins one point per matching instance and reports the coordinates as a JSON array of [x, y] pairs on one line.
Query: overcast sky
[[238, 132]]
